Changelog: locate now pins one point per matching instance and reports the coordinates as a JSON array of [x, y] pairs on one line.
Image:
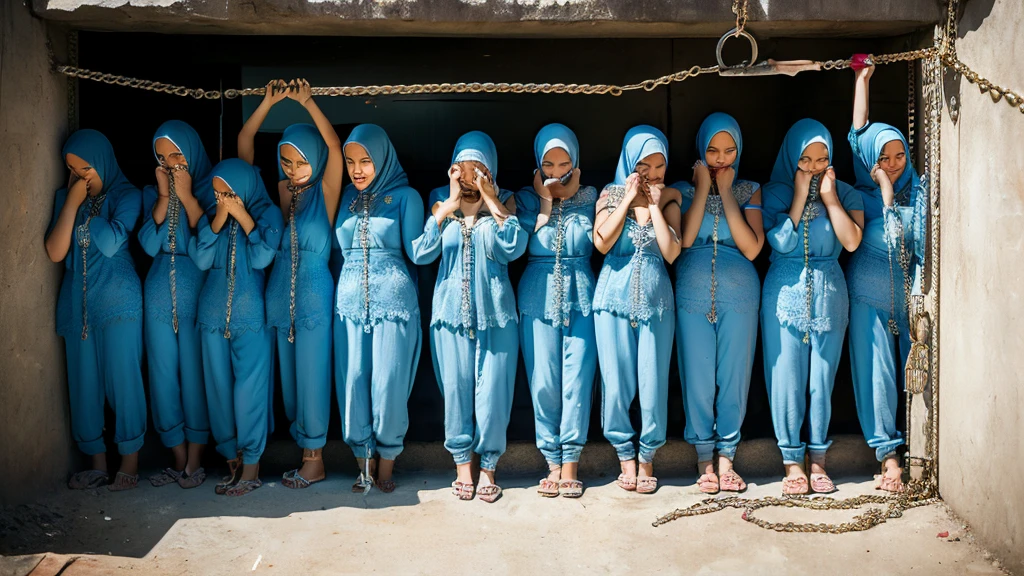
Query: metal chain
[[173, 217], [911, 108], [739, 8]]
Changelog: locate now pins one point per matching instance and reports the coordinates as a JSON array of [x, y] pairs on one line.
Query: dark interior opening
[[424, 130]]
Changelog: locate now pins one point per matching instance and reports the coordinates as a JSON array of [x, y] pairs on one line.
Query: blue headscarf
[[307, 140], [801, 135], [94, 148], [187, 140], [244, 180], [712, 125], [871, 142], [556, 136], [388, 172], [477, 146], [639, 143]]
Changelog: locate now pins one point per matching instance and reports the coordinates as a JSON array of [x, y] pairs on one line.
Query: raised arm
[[333, 172], [860, 96], [276, 91]]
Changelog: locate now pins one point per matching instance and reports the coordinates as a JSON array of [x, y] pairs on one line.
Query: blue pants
[[176, 387], [238, 372], [477, 377], [877, 375], [107, 366], [375, 383], [715, 355], [790, 368], [560, 363], [634, 360], [306, 382]]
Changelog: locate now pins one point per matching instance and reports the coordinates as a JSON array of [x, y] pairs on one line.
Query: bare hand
[[632, 186], [701, 175], [802, 182], [828, 184], [300, 91], [454, 187], [78, 190], [865, 73], [654, 194], [724, 177], [182, 182], [567, 190], [539, 187], [162, 181], [277, 90]]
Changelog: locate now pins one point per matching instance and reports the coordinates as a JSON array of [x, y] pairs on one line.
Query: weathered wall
[[981, 402], [35, 447]]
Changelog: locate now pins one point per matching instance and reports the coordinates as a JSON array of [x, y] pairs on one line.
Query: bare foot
[[570, 471], [385, 471], [708, 480], [195, 458]]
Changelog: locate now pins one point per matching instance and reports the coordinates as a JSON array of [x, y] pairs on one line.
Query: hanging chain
[[716, 209], [810, 212], [911, 107], [84, 240], [173, 217], [293, 237], [739, 8], [231, 275], [467, 273], [557, 278], [364, 244]]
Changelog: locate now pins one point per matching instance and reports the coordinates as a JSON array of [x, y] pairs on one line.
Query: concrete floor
[[422, 528]]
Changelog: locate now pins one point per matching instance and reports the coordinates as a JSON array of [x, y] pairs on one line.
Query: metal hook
[[735, 32]]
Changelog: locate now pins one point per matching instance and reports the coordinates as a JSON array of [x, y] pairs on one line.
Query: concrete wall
[[981, 402], [35, 446]]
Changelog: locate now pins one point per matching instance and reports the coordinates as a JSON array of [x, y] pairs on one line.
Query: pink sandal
[[646, 485], [822, 484], [794, 486], [707, 485], [464, 490], [489, 493], [548, 488], [731, 482], [627, 483]]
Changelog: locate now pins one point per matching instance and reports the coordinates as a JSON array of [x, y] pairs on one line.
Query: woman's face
[[84, 171], [294, 165], [556, 163], [814, 159], [221, 188], [168, 154], [893, 159], [359, 165], [653, 167], [467, 179], [721, 151]]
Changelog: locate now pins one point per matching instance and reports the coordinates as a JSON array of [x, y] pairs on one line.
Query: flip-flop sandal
[[123, 482], [192, 480], [244, 487], [627, 483], [646, 485], [822, 484], [386, 486], [548, 488], [464, 490], [794, 486], [362, 484], [731, 482], [165, 477], [706, 485], [489, 493], [88, 480], [570, 488], [292, 479]]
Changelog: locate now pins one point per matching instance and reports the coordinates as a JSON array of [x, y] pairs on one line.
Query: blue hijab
[[556, 136], [94, 148], [639, 143], [244, 180], [187, 140], [388, 172], [307, 140], [801, 135], [712, 125], [871, 142], [477, 146]]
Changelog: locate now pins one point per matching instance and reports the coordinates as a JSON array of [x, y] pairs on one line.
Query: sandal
[[294, 480], [627, 483], [794, 486], [234, 475], [386, 486], [822, 484], [646, 485], [464, 490], [88, 480], [489, 493], [362, 484], [123, 482], [243, 487], [731, 482], [548, 488], [192, 480], [707, 485], [165, 477], [570, 488]]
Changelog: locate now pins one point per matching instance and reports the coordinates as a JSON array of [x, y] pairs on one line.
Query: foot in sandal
[[820, 482], [311, 472], [88, 479], [707, 482], [128, 476], [728, 479], [249, 481], [627, 478], [646, 483], [234, 475], [548, 487], [795, 482], [570, 486], [385, 472], [488, 491]]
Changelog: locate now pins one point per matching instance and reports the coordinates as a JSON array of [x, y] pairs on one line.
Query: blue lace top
[[188, 278], [537, 285], [492, 302], [314, 287], [634, 264], [739, 288]]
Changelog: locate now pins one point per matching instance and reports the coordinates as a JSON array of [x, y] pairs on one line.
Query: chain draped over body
[[296, 193], [95, 203]]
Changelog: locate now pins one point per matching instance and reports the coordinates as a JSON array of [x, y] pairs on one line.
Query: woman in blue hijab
[[556, 325], [99, 310], [810, 217], [170, 212], [881, 275], [237, 238], [637, 226], [717, 298], [301, 289], [474, 337], [377, 332]]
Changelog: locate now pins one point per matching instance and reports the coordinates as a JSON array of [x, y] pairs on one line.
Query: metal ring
[[726, 36]]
